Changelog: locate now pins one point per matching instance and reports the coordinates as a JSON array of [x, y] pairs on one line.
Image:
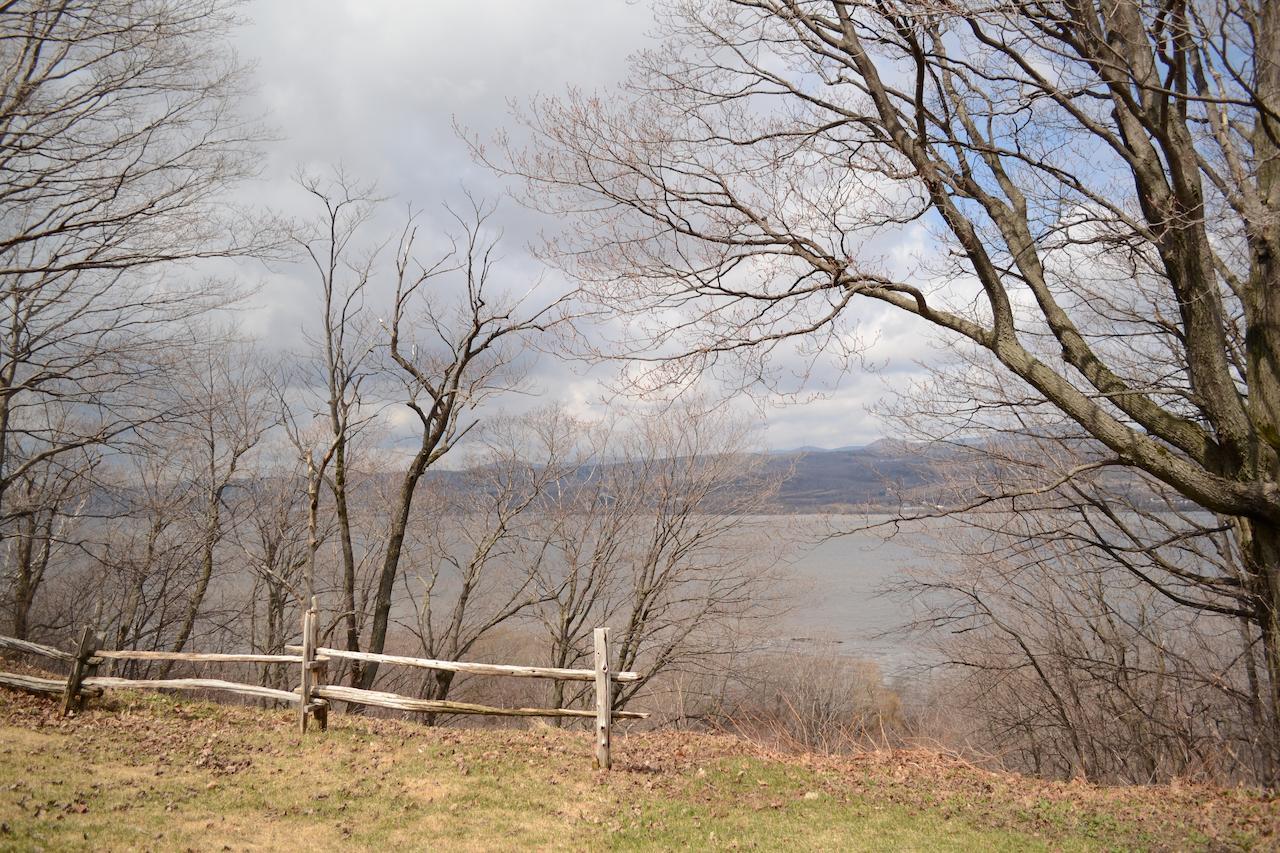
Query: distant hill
[[870, 476], [888, 473], [881, 476]]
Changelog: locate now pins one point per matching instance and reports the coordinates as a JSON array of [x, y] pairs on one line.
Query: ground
[[141, 772]]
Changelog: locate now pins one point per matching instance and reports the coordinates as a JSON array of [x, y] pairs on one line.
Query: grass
[[149, 772]]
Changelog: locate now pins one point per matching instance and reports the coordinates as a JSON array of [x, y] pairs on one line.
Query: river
[[840, 597]]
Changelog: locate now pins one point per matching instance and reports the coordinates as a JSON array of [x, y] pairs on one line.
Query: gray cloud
[[376, 85]]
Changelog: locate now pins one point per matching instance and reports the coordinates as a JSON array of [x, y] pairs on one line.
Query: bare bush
[[811, 700]]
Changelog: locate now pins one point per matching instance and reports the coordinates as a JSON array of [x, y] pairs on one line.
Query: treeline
[[181, 487]]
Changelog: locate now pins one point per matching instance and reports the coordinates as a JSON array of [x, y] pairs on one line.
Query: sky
[[378, 86]]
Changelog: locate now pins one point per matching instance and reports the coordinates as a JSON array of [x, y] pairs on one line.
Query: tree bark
[[391, 559], [348, 554], [1261, 547]]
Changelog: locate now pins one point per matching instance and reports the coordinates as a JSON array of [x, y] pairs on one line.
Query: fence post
[[604, 699], [71, 697], [308, 656]]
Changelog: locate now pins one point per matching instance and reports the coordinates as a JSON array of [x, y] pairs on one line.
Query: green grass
[[147, 772]]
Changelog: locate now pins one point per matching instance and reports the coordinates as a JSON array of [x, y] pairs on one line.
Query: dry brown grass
[[148, 772]]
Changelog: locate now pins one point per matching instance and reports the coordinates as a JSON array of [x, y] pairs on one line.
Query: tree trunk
[[391, 562], [212, 525], [22, 601], [1261, 547], [1262, 301], [348, 554], [439, 682], [24, 594]]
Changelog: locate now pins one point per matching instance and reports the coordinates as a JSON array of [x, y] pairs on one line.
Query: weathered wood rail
[[603, 676], [475, 668], [444, 706], [34, 649], [32, 684], [312, 696], [237, 687], [197, 656]]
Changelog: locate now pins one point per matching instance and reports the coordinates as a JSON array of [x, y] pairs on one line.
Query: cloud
[[376, 86]]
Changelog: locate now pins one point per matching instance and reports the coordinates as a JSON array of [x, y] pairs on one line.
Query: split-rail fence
[[313, 694]]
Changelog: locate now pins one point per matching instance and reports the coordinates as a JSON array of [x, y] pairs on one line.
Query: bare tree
[[451, 339], [1121, 579], [1095, 186], [1066, 664], [483, 566], [145, 554], [588, 520], [119, 133], [344, 344], [233, 415], [118, 136], [453, 351], [656, 531], [274, 541], [47, 506]]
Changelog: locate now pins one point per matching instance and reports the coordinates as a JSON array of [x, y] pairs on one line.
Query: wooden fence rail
[[237, 687], [31, 684], [312, 695], [30, 648], [126, 654], [475, 668], [442, 706]]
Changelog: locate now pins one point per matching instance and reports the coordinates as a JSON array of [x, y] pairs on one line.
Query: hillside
[[877, 475], [885, 475], [148, 772]]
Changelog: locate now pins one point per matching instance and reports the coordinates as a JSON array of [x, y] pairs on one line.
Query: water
[[839, 594], [832, 588]]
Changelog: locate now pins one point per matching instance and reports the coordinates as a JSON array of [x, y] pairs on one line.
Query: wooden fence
[[312, 696]]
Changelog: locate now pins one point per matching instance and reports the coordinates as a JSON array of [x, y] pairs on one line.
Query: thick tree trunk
[[1260, 544], [1261, 540], [24, 592], [1262, 301], [23, 599], [32, 557]]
